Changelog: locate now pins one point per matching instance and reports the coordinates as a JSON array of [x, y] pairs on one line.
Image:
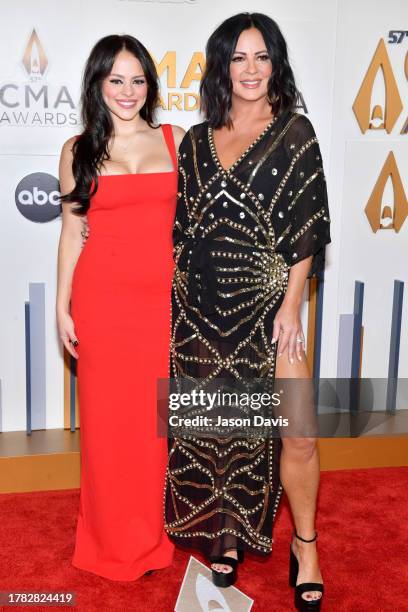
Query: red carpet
[[363, 544]]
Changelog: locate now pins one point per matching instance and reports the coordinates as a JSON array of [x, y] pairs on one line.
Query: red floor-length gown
[[120, 305]]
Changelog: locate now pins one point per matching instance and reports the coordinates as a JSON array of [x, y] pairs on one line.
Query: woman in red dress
[[113, 305]]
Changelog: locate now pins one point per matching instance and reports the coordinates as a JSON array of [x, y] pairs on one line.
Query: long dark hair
[[216, 86], [91, 148]]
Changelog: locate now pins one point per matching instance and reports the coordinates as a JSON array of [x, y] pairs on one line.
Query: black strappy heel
[[304, 605], [221, 579]]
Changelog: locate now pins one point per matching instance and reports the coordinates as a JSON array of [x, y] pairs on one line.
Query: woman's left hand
[[85, 230], [287, 328]]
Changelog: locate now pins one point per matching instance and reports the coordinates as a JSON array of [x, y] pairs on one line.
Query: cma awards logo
[[383, 115], [193, 72], [38, 197], [180, 100], [35, 102]]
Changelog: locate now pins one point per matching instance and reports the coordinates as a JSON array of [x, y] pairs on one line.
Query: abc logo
[[37, 197]]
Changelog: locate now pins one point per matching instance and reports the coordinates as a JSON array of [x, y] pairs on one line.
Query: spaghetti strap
[[169, 138]]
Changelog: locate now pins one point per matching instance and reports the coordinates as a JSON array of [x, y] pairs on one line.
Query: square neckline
[[172, 154]]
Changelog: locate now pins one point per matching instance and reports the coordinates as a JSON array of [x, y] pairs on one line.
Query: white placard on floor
[[199, 594]]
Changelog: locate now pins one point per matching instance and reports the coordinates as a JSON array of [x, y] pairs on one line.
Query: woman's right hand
[[67, 333]]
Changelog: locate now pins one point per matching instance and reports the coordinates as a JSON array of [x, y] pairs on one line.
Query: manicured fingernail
[[291, 360], [279, 354], [273, 340], [300, 359]]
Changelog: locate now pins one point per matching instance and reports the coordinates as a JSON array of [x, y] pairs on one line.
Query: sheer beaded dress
[[237, 232]]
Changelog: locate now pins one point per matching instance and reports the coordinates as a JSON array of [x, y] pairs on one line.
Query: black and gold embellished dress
[[236, 235]]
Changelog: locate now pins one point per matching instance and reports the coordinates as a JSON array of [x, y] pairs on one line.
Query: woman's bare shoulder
[[66, 151], [178, 133]]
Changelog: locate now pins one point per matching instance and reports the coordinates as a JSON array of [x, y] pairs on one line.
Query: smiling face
[[124, 90], [251, 66]]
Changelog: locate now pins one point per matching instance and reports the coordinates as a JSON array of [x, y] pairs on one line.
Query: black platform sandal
[[304, 605], [222, 579]]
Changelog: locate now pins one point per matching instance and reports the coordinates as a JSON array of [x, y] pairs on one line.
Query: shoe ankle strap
[[303, 540]]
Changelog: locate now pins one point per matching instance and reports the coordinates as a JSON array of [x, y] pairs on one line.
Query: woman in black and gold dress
[[251, 225]]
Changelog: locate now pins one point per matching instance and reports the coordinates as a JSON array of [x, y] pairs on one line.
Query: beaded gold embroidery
[[224, 492]]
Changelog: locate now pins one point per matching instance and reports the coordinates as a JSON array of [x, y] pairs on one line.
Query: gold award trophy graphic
[[383, 215], [34, 60], [387, 216], [378, 118]]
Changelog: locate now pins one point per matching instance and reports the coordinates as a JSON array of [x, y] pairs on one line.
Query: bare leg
[[300, 474]]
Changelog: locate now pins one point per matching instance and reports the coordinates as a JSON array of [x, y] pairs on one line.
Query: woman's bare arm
[[69, 249]]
